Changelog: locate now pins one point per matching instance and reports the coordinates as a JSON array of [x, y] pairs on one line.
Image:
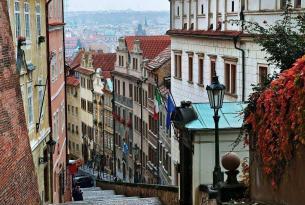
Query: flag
[[157, 103], [170, 109]]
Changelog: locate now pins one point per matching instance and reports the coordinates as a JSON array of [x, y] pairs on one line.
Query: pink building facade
[[57, 80]]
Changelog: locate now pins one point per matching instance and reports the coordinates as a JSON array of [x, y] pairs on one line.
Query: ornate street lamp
[[216, 94], [51, 146]]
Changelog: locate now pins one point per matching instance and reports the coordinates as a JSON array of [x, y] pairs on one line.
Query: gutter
[[49, 92], [237, 39]]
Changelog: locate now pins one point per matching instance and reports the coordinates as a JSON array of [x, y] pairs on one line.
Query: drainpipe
[[49, 91], [113, 121], [236, 39], [65, 79]]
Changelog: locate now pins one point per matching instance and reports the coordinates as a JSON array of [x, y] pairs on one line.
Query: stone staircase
[[96, 196]]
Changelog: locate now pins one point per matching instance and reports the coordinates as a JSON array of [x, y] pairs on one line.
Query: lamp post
[[216, 96]]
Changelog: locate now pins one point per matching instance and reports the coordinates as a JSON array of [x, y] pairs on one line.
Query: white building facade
[[203, 42]]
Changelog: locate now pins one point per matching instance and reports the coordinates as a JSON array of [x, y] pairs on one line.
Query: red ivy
[[278, 120]]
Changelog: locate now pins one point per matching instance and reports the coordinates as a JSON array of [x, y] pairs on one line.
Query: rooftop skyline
[[139, 5]]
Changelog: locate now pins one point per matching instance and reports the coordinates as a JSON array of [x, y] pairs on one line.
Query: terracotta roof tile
[[161, 59], [73, 81], [77, 60], [105, 61], [85, 71], [204, 33], [151, 46]]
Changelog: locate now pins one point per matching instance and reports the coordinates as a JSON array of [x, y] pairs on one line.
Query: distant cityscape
[[100, 30]]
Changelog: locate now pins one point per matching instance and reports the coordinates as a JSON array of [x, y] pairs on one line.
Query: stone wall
[[168, 195], [18, 184], [291, 191]]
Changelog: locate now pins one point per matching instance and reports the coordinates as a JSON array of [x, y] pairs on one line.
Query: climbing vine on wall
[[275, 118]]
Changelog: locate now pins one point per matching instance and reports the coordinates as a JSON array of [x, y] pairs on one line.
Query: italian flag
[[157, 103]]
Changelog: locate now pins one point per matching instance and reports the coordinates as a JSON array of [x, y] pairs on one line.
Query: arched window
[[178, 11]]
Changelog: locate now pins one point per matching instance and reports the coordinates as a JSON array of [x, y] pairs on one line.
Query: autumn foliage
[[276, 120]]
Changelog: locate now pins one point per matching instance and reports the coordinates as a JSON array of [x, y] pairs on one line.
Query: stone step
[[91, 189]]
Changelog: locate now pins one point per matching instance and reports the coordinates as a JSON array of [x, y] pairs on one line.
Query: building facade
[[135, 131], [158, 71], [73, 116], [57, 97], [29, 32], [92, 69], [205, 42]]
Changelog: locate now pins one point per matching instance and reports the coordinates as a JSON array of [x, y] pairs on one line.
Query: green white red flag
[[157, 104]]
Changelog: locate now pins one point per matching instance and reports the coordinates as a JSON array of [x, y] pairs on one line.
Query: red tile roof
[[160, 60], [204, 33], [85, 71], [151, 46], [77, 60], [105, 61], [73, 81]]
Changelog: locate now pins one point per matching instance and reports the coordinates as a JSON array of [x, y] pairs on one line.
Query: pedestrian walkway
[[97, 196]]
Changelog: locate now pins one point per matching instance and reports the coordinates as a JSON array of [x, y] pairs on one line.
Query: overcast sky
[[138, 5]]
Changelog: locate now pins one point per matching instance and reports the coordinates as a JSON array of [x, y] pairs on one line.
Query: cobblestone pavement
[[96, 196]]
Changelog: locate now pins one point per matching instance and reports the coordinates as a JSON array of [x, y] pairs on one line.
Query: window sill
[[190, 82], [200, 85], [231, 95], [177, 78]]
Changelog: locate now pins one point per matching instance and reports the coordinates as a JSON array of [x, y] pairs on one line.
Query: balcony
[[123, 101]]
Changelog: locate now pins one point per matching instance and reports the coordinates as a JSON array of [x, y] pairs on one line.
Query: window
[[190, 61], [135, 63], [185, 26], [202, 9], [178, 11], [232, 6], [213, 69], [17, 19], [76, 111], [27, 19], [124, 89], [83, 104], [76, 129], [63, 114], [40, 97], [262, 74], [89, 84], [178, 66], [200, 71], [119, 87], [83, 82], [121, 61], [130, 91], [38, 18], [53, 67], [230, 78], [297, 3], [90, 107], [84, 129], [72, 128], [283, 4], [30, 105]]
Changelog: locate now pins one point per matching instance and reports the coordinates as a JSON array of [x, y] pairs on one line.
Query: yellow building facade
[[27, 19]]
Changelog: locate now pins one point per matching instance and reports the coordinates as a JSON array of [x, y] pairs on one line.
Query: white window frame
[[30, 105], [27, 19], [40, 93], [53, 67], [38, 18], [17, 14], [63, 116]]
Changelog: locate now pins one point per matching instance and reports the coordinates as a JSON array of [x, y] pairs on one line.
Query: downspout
[[114, 129], [236, 39], [49, 92], [65, 79]]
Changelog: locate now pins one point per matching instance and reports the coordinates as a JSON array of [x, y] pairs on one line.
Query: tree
[[284, 40]]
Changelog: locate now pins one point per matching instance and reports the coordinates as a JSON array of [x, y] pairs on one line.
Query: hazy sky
[[140, 5]]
